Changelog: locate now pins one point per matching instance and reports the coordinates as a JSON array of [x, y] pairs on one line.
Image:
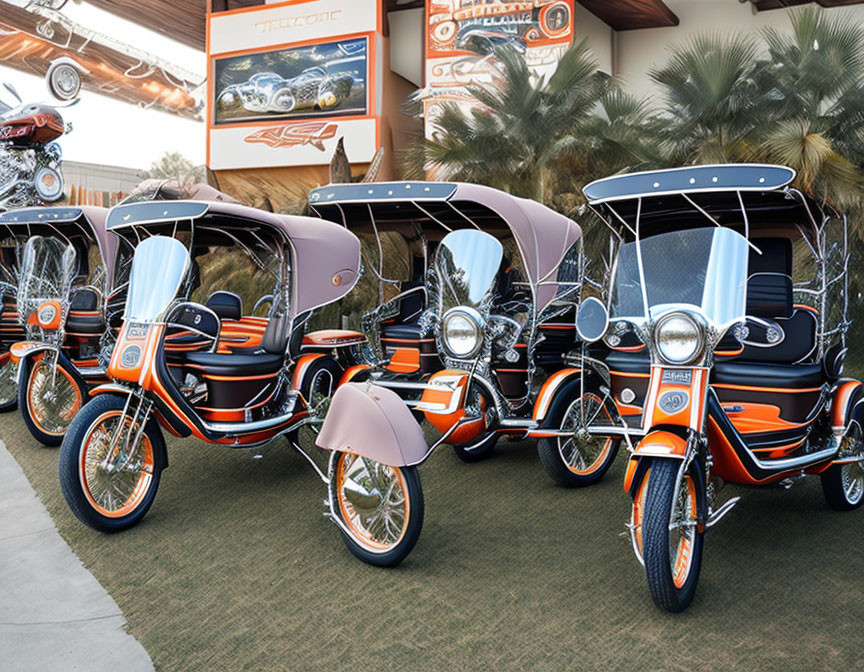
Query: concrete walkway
[[54, 615]]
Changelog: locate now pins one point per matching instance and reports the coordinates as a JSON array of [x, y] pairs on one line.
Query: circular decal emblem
[[47, 314], [130, 356], [336, 280], [672, 402]]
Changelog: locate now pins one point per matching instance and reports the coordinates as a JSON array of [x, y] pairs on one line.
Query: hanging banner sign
[[461, 39]]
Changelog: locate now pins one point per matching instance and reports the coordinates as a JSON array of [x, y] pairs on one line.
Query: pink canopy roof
[[326, 261], [543, 235]]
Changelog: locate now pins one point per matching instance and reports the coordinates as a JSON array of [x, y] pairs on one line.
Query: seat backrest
[[769, 295], [227, 305]]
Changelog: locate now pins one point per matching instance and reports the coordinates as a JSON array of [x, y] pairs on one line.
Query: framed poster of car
[[286, 81], [298, 82]]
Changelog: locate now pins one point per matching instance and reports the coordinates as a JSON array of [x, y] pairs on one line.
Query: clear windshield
[[704, 270], [467, 265], [48, 268], [158, 268]]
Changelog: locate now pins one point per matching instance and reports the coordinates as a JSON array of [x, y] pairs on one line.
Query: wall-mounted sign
[[287, 81], [462, 36]]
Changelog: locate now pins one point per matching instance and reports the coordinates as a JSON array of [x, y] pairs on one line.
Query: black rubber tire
[[475, 451], [655, 536], [70, 451], [834, 492], [12, 404], [550, 456], [415, 525], [27, 368]]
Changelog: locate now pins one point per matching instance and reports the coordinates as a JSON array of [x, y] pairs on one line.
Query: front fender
[[372, 421], [110, 388], [26, 358], [23, 349], [658, 443], [550, 389]]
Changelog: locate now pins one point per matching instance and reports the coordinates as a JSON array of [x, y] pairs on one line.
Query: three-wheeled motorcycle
[[720, 359], [478, 292], [65, 275], [229, 378]]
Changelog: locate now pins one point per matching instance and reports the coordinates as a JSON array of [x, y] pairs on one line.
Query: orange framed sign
[[286, 82], [461, 39]]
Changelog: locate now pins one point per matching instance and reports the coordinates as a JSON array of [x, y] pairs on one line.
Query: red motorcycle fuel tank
[[33, 125]]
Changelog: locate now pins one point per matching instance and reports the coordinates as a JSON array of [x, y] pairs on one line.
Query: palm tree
[[512, 138], [713, 105], [814, 83]]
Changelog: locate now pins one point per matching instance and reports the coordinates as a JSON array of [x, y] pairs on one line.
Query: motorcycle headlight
[[49, 184], [678, 338], [461, 332]]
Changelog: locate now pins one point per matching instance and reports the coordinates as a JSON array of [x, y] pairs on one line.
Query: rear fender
[[368, 420], [847, 406]]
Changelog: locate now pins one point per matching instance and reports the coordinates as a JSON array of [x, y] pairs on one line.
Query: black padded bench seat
[[764, 374], [234, 365]]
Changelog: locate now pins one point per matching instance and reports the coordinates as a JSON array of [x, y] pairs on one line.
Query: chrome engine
[[18, 170]]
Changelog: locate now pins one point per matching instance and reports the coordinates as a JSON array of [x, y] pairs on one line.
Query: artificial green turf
[[234, 568]]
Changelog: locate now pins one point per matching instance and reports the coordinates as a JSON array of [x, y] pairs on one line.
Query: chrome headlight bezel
[[697, 334], [471, 322]]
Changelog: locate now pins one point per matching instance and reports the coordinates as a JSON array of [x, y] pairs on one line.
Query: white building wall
[[640, 50]]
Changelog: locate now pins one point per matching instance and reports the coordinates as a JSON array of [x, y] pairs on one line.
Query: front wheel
[[380, 508], [843, 484], [49, 397], [576, 458], [110, 484], [670, 533]]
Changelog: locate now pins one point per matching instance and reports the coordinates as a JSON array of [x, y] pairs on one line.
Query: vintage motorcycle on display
[[29, 156], [64, 286], [229, 378], [720, 359], [477, 340]]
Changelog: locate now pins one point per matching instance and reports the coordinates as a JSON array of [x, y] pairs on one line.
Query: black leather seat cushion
[[225, 364], [800, 330], [85, 324], [227, 305], [761, 374], [405, 331], [769, 295], [629, 362]]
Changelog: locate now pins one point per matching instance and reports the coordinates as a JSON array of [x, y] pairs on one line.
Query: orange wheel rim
[[373, 500], [116, 484], [52, 399], [682, 553], [583, 455]]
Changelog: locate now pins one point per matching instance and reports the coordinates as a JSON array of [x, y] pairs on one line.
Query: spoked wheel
[[843, 484], [8, 383], [108, 484], [577, 458], [49, 398], [670, 537], [381, 508]]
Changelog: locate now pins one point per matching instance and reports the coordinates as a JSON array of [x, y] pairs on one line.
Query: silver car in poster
[[269, 92]]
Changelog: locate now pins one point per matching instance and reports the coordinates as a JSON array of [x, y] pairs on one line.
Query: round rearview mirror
[[591, 320]]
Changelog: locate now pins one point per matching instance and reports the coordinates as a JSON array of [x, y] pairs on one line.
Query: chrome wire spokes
[[8, 382], [581, 451], [53, 396], [852, 474], [115, 479], [373, 499], [682, 531]]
